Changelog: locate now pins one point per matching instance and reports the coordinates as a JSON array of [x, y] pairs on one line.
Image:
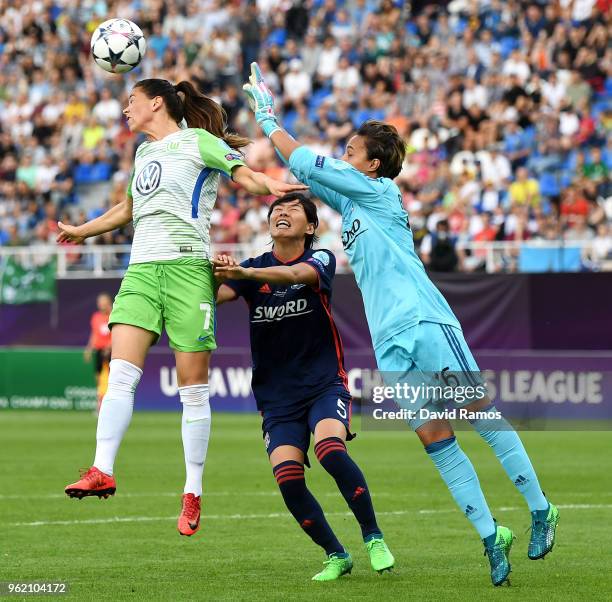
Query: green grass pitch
[[249, 548]]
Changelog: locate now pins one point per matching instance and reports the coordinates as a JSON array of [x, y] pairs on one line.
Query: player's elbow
[[246, 178], [303, 274], [126, 213], [295, 276], [127, 218]]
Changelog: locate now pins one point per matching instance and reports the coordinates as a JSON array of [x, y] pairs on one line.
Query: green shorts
[[178, 295]]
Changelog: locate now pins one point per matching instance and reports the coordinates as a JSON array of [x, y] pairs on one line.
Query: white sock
[[196, 433], [115, 413]]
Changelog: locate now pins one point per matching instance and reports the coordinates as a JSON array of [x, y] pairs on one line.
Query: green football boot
[[543, 531], [334, 567], [498, 552], [381, 558]]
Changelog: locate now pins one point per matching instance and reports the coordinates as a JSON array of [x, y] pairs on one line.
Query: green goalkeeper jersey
[[174, 188]]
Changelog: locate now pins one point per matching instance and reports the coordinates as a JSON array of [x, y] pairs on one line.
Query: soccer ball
[[118, 45]]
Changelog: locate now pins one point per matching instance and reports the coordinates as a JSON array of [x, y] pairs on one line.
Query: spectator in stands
[[525, 190], [27, 172], [63, 185], [11, 237], [602, 244], [495, 167], [487, 231], [328, 61], [296, 84], [93, 134], [438, 250], [107, 109], [303, 127], [482, 87], [346, 78], [580, 230], [597, 171], [573, 204]]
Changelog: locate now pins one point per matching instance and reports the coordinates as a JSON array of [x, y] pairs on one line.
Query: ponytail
[[183, 101]]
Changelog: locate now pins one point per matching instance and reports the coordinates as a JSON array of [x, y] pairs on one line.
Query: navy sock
[[332, 455], [460, 477], [304, 507]]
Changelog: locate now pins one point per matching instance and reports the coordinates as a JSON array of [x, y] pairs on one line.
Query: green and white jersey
[[174, 189]]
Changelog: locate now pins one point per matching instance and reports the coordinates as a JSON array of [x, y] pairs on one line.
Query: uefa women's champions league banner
[[527, 387], [534, 389]]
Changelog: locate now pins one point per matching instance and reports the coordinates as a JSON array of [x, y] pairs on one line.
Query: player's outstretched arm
[[216, 155], [256, 182], [115, 217], [336, 176], [333, 181], [225, 294], [261, 102], [227, 268]]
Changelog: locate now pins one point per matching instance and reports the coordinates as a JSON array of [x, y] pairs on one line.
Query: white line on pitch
[[144, 519], [50, 496], [177, 494], [147, 519]]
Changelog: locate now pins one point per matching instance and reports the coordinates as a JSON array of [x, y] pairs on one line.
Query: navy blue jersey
[[296, 348]]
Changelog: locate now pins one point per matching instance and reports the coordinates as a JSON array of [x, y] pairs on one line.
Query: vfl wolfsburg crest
[[149, 177]]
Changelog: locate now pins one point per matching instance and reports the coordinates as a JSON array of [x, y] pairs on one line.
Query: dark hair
[[383, 142], [198, 110], [310, 209]]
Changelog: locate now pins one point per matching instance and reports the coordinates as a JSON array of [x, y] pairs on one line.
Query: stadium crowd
[[506, 109]]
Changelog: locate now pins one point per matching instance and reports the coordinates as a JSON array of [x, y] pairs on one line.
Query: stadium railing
[[111, 261]]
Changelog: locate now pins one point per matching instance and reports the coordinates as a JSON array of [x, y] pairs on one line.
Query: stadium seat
[[362, 115], [598, 107], [566, 178], [318, 97], [288, 120], [507, 45], [549, 184]]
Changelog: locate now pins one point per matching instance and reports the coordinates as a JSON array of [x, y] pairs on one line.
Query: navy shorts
[[295, 427]]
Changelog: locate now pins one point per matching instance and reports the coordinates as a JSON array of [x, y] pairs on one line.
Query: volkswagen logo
[[149, 177]]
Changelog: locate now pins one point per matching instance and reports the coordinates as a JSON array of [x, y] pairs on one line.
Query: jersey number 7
[[207, 309]]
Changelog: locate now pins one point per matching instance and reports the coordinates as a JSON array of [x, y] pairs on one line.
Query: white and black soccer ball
[[118, 45]]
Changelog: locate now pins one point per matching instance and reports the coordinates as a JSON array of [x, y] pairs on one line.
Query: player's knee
[[192, 368], [194, 395], [442, 445], [328, 447], [434, 431], [123, 375]]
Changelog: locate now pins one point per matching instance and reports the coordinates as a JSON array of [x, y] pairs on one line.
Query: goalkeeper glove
[[261, 101]]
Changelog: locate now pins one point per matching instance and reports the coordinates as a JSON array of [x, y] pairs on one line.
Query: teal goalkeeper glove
[[261, 101]]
